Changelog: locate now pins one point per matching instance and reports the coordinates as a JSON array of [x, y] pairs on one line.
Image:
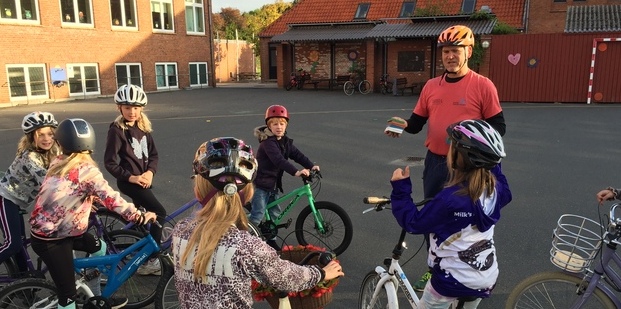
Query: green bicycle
[[320, 223]]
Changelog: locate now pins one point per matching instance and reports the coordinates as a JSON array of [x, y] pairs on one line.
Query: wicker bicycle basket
[[576, 242], [307, 302]]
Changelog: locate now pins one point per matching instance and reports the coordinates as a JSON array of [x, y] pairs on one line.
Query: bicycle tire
[[384, 89], [336, 222], [113, 221], [166, 292], [364, 87], [553, 290], [25, 293], [9, 269], [349, 88], [369, 283], [288, 86], [138, 289]]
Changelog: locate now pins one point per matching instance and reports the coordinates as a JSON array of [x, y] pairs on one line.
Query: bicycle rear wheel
[[138, 289], [369, 284], [364, 87], [28, 293], [8, 271], [554, 290], [338, 230], [349, 88], [166, 293]]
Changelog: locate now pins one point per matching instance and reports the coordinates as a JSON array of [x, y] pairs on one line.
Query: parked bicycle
[[296, 80], [585, 251], [320, 222], [380, 288], [126, 253], [385, 84], [363, 86]]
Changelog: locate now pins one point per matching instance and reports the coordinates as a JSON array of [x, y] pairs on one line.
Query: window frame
[[129, 78], [124, 23], [192, 6], [197, 64], [71, 67], [362, 11], [76, 14], [167, 76], [472, 3], [154, 23], [19, 19], [407, 13], [28, 81]]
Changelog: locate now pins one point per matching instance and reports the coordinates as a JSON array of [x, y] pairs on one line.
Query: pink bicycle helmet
[[276, 111], [479, 143]]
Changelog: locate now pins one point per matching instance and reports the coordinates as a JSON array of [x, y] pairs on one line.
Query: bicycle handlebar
[[381, 202], [314, 174]]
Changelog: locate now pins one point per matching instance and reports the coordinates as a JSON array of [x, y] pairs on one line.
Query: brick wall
[[54, 44]]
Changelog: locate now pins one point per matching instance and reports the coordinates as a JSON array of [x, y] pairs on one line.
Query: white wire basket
[[576, 242]]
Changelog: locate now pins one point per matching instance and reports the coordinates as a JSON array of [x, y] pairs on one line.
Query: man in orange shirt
[[458, 94]]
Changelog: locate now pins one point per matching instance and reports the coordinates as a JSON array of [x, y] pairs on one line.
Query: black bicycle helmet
[[130, 95], [75, 135], [37, 120], [479, 143], [225, 161]]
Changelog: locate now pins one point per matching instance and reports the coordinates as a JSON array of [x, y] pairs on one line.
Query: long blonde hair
[[143, 123], [479, 180], [65, 163], [213, 221], [28, 143]]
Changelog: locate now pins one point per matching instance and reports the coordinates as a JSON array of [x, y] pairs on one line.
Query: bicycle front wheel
[[138, 289], [364, 87], [166, 293], [337, 228], [369, 284], [29, 293], [349, 88], [554, 290]]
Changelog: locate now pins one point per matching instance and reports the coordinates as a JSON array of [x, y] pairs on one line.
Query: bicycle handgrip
[[376, 200]]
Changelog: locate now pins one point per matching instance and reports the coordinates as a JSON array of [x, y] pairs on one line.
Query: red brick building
[[56, 50]]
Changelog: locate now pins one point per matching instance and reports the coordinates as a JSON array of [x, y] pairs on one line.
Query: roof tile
[[593, 18]]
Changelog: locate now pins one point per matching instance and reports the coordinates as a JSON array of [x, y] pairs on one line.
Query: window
[[162, 15], [194, 16], [128, 73], [411, 61], [362, 11], [19, 10], [407, 9], [560, 0], [166, 75], [76, 12], [27, 81], [83, 79], [198, 74], [468, 6], [123, 13]]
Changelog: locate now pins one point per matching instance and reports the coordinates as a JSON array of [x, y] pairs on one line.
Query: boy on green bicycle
[[275, 150]]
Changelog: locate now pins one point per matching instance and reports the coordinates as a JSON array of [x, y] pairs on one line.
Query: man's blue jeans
[[259, 202]]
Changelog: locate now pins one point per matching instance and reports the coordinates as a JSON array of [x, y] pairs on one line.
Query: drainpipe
[[212, 69]]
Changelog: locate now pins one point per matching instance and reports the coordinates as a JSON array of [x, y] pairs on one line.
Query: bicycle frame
[[294, 196], [602, 267], [107, 264]]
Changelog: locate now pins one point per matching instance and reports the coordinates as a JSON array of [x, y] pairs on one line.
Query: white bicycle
[[380, 287]]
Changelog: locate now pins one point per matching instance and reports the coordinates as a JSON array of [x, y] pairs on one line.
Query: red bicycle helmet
[[276, 111]]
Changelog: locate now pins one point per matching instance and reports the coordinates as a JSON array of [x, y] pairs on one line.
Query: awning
[[425, 29], [324, 33]]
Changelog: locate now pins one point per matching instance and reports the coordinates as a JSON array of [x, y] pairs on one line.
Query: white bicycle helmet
[[479, 143], [130, 95], [37, 120]]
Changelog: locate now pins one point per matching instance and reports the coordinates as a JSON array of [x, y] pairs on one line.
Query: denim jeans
[[433, 300], [435, 174], [259, 202]]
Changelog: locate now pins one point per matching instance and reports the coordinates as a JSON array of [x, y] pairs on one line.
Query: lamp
[[485, 44]]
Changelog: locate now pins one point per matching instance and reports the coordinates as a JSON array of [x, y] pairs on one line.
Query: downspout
[[212, 69], [526, 15]]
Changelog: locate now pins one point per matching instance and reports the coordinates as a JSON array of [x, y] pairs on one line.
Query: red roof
[[326, 11]]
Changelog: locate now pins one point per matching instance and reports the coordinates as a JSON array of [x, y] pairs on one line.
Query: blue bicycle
[[116, 268]]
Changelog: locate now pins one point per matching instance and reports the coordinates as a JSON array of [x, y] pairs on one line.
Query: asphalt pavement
[[559, 156]]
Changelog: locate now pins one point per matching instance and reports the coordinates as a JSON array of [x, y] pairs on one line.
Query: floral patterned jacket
[[239, 258], [22, 180], [64, 203]]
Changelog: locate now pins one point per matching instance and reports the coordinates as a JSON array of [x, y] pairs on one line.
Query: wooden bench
[[248, 76], [340, 80], [402, 84], [317, 81]]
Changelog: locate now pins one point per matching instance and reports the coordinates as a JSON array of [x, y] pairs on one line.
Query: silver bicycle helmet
[[224, 161], [75, 135], [37, 120], [130, 95], [479, 143]]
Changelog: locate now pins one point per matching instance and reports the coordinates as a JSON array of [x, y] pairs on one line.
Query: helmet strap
[[209, 196]]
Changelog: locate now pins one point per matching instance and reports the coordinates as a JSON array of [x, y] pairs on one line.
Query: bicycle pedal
[[285, 225]]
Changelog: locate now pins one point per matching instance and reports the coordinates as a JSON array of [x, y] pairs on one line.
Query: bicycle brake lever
[[368, 210]]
